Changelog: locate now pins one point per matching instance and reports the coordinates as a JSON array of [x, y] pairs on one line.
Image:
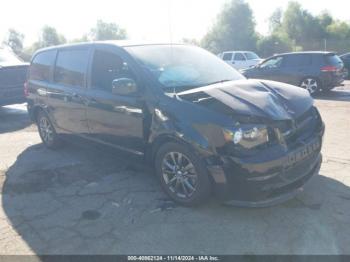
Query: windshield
[[251, 56], [180, 67], [8, 57]]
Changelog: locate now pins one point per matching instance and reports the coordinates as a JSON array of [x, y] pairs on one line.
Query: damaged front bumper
[[269, 178]]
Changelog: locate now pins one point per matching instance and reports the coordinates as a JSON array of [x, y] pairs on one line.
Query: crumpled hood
[[261, 98]]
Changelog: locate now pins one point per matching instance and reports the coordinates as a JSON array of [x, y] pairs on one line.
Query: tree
[[273, 44], [275, 20], [14, 39], [325, 19], [190, 41], [301, 27], [107, 31], [50, 37], [233, 30]]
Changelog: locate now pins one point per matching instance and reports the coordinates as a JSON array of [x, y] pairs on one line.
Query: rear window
[[41, 66], [333, 60], [298, 60], [71, 66]]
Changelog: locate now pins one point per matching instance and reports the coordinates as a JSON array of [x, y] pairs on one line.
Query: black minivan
[[203, 126], [314, 71]]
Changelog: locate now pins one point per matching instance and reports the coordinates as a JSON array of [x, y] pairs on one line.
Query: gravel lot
[[86, 199]]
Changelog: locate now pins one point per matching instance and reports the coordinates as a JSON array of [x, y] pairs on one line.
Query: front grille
[[303, 127]]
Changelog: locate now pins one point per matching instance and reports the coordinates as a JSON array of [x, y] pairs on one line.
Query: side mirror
[[124, 86]]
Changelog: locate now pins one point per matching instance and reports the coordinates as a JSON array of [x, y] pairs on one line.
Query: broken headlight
[[247, 136]]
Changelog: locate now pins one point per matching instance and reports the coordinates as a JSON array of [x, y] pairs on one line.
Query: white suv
[[241, 59]]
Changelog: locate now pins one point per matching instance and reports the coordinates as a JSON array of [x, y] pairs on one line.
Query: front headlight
[[247, 136]]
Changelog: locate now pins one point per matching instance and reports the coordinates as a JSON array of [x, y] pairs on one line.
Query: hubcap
[[179, 174], [310, 85], [46, 130]]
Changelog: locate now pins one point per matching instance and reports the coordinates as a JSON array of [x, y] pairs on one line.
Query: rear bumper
[[269, 178], [330, 81]]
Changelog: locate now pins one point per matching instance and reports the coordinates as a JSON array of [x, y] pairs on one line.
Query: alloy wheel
[[46, 130], [310, 85], [179, 175]]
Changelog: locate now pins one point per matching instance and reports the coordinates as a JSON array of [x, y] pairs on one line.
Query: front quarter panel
[[189, 123]]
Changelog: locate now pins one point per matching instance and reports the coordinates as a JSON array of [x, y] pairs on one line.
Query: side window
[[71, 66], [41, 66], [274, 62], [227, 57], [239, 57], [107, 67], [298, 60]]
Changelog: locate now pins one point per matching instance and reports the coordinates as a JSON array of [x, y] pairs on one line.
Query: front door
[[114, 118], [271, 69]]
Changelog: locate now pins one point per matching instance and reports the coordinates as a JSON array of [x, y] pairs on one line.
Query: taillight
[[329, 69], [26, 90]]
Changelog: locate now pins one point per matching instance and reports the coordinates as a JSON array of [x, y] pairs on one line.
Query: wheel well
[[158, 142], [36, 111]]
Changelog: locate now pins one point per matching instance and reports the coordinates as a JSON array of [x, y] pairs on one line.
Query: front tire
[[183, 174], [47, 132]]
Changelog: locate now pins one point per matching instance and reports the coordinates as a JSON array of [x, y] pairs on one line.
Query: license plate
[[303, 153]]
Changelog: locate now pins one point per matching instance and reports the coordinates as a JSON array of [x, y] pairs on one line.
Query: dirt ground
[[86, 199]]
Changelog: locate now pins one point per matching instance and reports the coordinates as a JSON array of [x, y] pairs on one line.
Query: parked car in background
[[346, 60], [240, 59], [314, 71], [202, 125], [12, 77]]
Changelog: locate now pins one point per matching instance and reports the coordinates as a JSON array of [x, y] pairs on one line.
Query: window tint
[[251, 56], [227, 57], [71, 67], [41, 66], [298, 60], [239, 57], [333, 60], [107, 67], [274, 62]]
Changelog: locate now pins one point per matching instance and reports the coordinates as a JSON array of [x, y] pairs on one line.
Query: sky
[[149, 20]]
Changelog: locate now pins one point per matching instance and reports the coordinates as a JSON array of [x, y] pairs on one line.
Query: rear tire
[[47, 132], [311, 84], [182, 174]]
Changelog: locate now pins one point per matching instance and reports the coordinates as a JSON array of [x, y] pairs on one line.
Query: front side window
[[71, 66], [251, 56], [181, 67], [274, 62], [239, 57], [107, 67], [41, 66]]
